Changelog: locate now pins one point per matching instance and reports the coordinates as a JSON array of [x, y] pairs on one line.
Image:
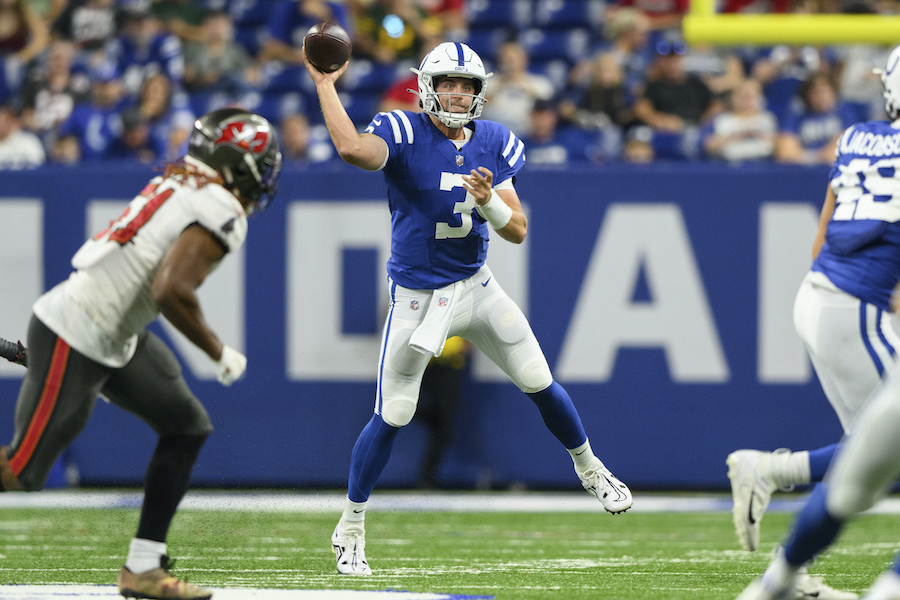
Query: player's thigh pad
[[869, 463], [152, 387], [401, 368], [502, 332]]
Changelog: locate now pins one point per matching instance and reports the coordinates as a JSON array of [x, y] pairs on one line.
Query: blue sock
[[813, 531], [370, 455], [819, 461], [559, 415]]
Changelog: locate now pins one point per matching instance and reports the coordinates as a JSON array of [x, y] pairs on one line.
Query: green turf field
[[511, 556]]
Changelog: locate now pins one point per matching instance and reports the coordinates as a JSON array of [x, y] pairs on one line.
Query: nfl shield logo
[[443, 300], [459, 160], [414, 305]]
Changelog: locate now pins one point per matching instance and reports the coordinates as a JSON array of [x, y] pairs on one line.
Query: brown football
[[327, 46]]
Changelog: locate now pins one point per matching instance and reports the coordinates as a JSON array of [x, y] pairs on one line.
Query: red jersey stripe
[[44, 408]]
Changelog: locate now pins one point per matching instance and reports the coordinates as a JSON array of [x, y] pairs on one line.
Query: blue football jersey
[[861, 254], [437, 236]]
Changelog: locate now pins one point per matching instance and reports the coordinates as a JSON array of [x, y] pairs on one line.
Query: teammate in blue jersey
[[450, 180], [845, 312]]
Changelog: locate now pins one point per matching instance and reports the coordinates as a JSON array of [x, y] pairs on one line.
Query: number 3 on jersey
[[443, 231]]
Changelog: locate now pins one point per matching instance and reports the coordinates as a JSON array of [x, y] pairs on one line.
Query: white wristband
[[495, 211], [230, 366]]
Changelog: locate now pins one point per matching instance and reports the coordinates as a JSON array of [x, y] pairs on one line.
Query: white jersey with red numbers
[[107, 301]]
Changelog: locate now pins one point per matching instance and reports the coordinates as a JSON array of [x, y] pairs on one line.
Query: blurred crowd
[[580, 81]]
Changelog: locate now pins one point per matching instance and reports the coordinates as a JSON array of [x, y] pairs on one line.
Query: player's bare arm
[[367, 150], [479, 183], [181, 272], [824, 219]]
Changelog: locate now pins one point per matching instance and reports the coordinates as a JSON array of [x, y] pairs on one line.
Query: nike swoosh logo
[[580, 453], [358, 511], [376, 121], [750, 511], [486, 282]]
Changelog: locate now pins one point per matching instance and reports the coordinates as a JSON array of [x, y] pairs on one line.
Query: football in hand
[[327, 46]]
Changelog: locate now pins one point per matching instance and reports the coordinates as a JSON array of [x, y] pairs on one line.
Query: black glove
[[16, 353]]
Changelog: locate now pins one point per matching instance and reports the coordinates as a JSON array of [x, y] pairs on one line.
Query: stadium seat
[[486, 41], [250, 12], [499, 13], [569, 13], [569, 44], [292, 78], [368, 76]]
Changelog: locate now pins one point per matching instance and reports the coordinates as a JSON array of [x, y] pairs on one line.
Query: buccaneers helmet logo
[[246, 137]]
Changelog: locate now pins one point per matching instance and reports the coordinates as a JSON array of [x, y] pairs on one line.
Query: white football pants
[[483, 314], [851, 343]]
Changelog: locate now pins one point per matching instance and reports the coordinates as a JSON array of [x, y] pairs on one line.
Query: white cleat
[[603, 485], [886, 587], [751, 491], [807, 587], [756, 591], [349, 546]]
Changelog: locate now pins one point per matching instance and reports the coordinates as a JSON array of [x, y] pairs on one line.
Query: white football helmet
[[890, 77], [451, 59]]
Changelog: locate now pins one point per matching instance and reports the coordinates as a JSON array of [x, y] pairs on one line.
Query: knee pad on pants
[[398, 402]]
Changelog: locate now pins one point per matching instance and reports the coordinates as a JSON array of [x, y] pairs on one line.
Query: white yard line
[[47, 592]]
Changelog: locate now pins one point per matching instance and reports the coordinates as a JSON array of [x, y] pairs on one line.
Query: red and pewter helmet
[[243, 148]]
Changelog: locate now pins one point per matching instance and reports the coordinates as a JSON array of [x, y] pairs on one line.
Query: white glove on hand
[[230, 366]]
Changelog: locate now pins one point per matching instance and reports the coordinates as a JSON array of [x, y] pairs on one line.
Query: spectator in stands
[[638, 145], [302, 144], [550, 144], [52, 90], [858, 86], [662, 14], [388, 31], [89, 132], [19, 149], [603, 102], [289, 22], [48, 10], [783, 69], [23, 36], [398, 96], [90, 25], [216, 62], [451, 14], [184, 18], [626, 33], [168, 115], [674, 103], [514, 90], [720, 68], [135, 143], [144, 49], [809, 136], [745, 132]]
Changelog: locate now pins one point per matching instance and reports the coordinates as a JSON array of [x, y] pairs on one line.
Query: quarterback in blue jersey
[[450, 180], [846, 313]]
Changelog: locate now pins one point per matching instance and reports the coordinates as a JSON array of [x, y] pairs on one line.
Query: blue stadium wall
[[662, 297]]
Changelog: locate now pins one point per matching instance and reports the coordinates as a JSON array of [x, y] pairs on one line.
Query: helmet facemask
[[451, 59]]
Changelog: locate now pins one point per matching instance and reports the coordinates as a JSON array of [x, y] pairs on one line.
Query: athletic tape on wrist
[[495, 211]]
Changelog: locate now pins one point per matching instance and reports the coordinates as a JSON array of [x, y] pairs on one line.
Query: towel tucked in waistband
[[430, 335]]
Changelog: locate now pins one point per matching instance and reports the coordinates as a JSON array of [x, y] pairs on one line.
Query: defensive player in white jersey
[[845, 312], [448, 178], [87, 335]]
